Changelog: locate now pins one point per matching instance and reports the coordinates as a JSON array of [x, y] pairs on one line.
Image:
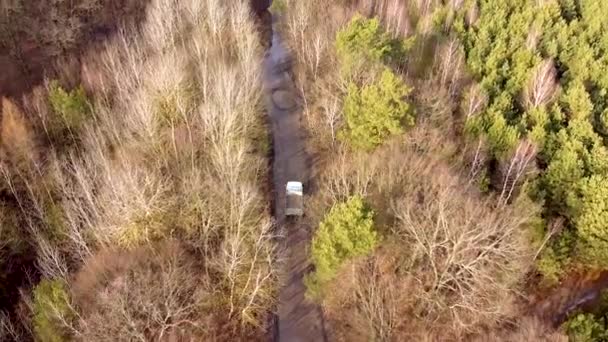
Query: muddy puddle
[[579, 293]]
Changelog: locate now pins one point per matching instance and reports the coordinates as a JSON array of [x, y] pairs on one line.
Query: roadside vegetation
[[139, 187], [475, 132]]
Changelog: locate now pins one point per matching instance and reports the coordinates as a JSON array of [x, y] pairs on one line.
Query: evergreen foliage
[[51, 306], [504, 46], [346, 232], [71, 109], [587, 328], [591, 219], [374, 112], [364, 42]]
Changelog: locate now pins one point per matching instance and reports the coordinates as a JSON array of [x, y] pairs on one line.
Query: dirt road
[[298, 319]]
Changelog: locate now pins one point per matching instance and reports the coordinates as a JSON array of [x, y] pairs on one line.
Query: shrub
[[364, 41], [555, 257], [157, 290], [144, 228], [55, 220], [376, 111], [586, 328], [278, 6], [51, 307], [603, 122], [347, 231], [591, 218], [16, 134], [172, 103], [71, 109]]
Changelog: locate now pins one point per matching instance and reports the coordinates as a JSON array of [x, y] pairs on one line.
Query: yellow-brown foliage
[[18, 143], [169, 152]]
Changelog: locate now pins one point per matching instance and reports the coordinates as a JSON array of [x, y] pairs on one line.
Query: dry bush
[[144, 295], [370, 300], [155, 294], [16, 134], [525, 329]]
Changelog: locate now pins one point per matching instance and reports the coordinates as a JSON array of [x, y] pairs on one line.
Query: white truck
[[294, 192]]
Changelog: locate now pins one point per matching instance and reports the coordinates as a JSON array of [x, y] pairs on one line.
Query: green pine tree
[[375, 112], [347, 231]]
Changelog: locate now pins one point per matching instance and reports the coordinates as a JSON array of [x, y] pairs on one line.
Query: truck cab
[[294, 192]]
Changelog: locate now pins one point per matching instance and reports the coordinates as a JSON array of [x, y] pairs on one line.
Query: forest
[[462, 166], [134, 196], [458, 160]]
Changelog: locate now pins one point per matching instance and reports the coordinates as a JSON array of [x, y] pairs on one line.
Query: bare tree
[[394, 13], [475, 100], [542, 86], [467, 257], [8, 330], [132, 181], [450, 62], [472, 14], [368, 301], [156, 296], [478, 160], [350, 175], [332, 111], [380, 298], [519, 164], [555, 227]]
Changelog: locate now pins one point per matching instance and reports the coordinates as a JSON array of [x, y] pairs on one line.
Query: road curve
[[298, 319]]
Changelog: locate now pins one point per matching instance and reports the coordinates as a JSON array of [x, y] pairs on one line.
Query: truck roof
[[294, 200], [294, 186]]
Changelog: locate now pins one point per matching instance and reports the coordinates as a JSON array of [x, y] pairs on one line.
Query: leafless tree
[[517, 167], [368, 301], [478, 160], [458, 246], [394, 14], [332, 111], [156, 296], [350, 175], [472, 14], [450, 63], [8, 330], [555, 227], [542, 86], [192, 68], [475, 101]]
